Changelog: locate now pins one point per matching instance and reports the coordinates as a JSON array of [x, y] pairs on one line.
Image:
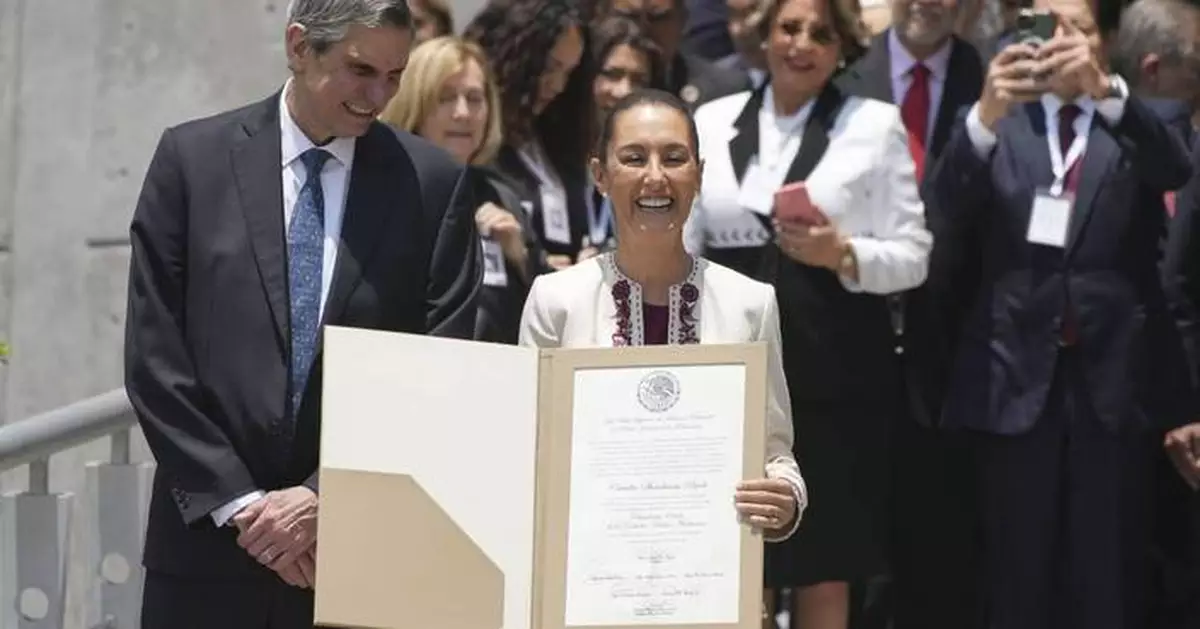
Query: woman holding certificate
[[650, 291]]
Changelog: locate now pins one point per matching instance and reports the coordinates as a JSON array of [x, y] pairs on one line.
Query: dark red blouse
[[655, 324]]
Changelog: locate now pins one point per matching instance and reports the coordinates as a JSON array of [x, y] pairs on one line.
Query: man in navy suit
[[1068, 371]]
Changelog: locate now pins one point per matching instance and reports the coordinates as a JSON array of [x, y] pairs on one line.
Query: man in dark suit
[[1153, 49], [1068, 370], [688, 76], [253, 229], [750, 56], [934, 77]]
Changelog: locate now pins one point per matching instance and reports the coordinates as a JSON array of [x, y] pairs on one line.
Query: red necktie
[[914, 111], [1066, 136], [1169, 201]]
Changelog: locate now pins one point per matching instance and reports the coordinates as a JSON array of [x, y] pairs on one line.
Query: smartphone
[[1035, 27], [793, 204]]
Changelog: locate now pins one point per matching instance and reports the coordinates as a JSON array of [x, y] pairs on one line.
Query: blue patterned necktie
[[306, 252]]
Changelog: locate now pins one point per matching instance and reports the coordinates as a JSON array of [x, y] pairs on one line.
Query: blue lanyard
[[598, 226]]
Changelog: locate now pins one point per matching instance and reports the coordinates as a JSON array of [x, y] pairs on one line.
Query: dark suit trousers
[[934, 530], [1177, 552], [259, 602], [1067, 512]]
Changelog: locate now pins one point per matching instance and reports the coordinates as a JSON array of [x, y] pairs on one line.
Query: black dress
[[845, 386]]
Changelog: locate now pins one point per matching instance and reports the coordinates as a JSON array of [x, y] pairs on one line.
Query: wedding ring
[[267, 555]]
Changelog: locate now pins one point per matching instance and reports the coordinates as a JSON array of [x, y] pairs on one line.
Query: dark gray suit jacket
[[207, 339]]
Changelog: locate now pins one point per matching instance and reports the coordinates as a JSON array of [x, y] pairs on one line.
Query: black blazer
[[207, 332], [574, 179], [1181, 263], [696, 80], [1109, 271], [499, 316], [931, 316]]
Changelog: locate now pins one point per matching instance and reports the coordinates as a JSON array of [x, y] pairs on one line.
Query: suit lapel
[[874, 74], [368, 206], [1098, 160], [816, 133], [256, 168], [1035, 146], [960, 88], [744, 144]]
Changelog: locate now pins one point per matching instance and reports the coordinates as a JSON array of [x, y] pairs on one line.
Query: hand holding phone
[[793, 204]]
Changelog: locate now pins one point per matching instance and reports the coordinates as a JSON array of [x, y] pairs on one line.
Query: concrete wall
[[86, 87]]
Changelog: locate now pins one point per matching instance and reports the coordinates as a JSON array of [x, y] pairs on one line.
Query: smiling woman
[[649, 291]]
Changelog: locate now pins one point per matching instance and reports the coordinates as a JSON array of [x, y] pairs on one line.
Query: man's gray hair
[[327, 21], [1158, 27]]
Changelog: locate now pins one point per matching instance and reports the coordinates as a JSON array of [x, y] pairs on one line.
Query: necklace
[[627, 296]]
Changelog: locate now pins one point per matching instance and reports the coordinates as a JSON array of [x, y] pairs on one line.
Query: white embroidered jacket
[[575, 308]]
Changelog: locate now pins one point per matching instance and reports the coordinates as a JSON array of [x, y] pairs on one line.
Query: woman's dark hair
[[517, 36], [844, 20], [610, 33], [638, 98]]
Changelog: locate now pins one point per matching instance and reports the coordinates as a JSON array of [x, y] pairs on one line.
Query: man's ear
[[1149, 68], [296, 46]]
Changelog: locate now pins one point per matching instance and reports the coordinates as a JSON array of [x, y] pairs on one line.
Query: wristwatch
[[1117, 88]]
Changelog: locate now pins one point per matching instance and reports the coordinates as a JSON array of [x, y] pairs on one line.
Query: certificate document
[[656, 455]]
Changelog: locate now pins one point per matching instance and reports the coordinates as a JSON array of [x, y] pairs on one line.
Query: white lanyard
[[599, 220], [1058, 164]]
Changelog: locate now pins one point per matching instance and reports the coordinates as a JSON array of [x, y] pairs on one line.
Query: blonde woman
[[447, 95]]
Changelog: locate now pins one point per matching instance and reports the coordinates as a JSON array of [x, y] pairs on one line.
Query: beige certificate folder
[[445, 469]]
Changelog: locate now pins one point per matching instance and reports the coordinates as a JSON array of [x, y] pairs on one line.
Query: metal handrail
[[35, 439]]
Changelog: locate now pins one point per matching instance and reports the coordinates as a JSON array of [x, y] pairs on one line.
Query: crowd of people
[[982, 408]]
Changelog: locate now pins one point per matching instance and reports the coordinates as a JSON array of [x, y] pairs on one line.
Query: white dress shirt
[[902, 63], [983, 140], [335, 181], [865, 183]]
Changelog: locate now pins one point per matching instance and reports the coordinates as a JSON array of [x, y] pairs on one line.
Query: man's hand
[[279, 529], [1012, 77], [1183, 446], [303, 572], [1071, 60]]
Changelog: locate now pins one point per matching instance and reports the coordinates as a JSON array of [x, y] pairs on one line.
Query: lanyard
[[599, 221], [1058, 164]]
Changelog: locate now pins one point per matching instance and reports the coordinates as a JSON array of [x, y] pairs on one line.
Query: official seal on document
[[658, 391]]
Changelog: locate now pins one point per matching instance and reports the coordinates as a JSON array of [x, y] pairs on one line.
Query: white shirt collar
[[294, 142], [1051, 104], [903, 61]]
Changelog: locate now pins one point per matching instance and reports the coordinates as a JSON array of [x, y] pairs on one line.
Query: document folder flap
[[391, 558]]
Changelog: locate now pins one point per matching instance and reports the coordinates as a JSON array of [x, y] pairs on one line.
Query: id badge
[[1050, 219], [495, 273], [757, 192], [556, 223]]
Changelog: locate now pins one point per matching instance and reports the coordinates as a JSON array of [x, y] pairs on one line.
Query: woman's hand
[[815, 245], [494, 222], [766, 503]]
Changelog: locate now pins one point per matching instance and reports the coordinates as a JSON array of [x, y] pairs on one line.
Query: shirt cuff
[[221, 515], [799, 494], [983, 140]]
